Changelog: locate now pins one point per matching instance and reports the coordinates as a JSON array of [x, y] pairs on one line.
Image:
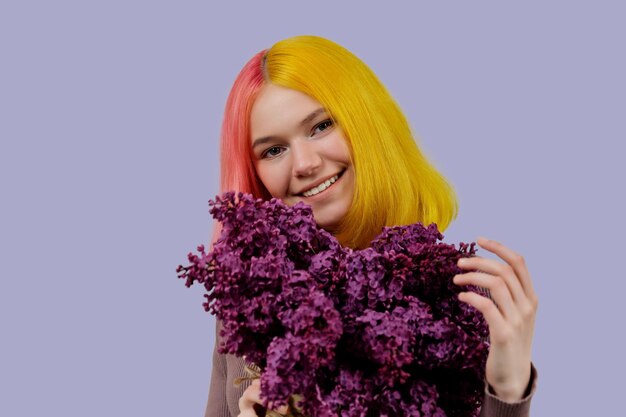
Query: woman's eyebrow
[[311, 116]]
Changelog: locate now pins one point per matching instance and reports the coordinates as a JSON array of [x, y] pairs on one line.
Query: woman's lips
[[321, 193]]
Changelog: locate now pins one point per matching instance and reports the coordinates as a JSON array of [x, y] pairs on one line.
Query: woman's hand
[[250, 402], [511, 318]]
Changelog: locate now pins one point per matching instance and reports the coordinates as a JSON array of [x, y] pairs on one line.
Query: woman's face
[[300, 154]]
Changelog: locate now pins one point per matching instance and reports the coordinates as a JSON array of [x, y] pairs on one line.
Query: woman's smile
[[321, 187]]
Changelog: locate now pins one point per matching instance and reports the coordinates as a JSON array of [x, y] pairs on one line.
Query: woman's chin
[[331, 225]]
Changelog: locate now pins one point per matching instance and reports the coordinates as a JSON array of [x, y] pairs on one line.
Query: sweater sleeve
[[217, 405], [495, 407], [224, 394]]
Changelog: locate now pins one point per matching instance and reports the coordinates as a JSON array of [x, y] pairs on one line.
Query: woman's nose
[[305, 160]]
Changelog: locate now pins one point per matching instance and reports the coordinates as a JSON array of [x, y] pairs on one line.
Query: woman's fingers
[[492, 315], [496, 286], [250, 401], [497, 269], [515, 299], [250, 397], [516, 262]]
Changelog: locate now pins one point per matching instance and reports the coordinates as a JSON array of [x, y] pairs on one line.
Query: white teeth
[[321, 187]]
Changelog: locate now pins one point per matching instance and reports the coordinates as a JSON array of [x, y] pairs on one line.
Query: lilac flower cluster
[[378, 331]]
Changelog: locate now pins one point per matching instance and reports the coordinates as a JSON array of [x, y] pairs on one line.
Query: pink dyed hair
[[237, 172]]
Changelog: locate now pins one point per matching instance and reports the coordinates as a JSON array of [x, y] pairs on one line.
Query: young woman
[[306, 120]]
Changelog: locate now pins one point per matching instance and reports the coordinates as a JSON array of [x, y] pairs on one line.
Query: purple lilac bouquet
[[372, 332]]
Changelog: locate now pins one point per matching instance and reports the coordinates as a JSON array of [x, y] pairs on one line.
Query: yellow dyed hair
[[395, 182]]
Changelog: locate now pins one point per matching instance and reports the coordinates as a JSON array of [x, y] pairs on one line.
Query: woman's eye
[[272, 152], [322, 126]]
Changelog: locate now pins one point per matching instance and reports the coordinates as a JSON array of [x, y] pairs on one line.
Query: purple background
[[109, 118]]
